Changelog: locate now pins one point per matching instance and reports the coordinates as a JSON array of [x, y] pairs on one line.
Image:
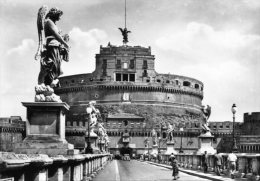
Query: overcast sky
[[214, 41]]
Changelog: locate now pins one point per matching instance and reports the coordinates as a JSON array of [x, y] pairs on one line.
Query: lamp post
[[159, 144], [181, 130], [89, 150], [234, 110]]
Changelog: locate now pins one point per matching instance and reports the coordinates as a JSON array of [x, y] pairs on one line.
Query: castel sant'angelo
[[132, 97]]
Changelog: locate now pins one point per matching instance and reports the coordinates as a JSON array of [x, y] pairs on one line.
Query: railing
[[248, 165], [39, 167]]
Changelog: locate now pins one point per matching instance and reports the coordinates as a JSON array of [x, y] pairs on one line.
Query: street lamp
[[159, 141], [89, 149], [234, 110], [181, 130]]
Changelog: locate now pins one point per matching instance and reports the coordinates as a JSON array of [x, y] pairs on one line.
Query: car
[[126, 157]]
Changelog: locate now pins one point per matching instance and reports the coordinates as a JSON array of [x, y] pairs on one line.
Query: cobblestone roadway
[[139, 171]]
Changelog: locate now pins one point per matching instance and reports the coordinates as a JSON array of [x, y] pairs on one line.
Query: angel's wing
[[208, 110], [121, 30], [40, 25]]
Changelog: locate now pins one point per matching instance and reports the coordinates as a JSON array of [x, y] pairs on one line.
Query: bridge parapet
[[248, 165], [39, 167]]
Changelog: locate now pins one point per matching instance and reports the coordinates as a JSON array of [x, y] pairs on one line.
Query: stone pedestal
[[45, 129], [93, 141], [101, 145], [205, 144], [154, 150], [170, 148]]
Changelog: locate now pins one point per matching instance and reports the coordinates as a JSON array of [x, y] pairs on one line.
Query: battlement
[[119, 50]]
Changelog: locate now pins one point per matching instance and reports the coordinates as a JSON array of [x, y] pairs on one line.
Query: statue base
[[205, 144], [170, 148], [154, 150], [45, 129], [92, 147]]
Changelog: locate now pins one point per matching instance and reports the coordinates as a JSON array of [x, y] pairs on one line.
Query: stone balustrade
[[40, 167], [248, 165]]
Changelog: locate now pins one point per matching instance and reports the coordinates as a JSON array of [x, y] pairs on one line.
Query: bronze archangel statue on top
[[125, 34], [52, 50]]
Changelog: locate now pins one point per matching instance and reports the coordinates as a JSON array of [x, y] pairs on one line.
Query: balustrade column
[[55, 173], [37, 175], [66, 172]]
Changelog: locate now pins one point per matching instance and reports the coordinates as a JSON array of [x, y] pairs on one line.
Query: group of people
[[232, 159]]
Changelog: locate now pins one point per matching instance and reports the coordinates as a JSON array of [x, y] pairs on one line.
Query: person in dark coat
[[175, 167], [205, 162]]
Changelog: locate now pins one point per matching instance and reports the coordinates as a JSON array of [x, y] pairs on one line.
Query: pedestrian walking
[[159, 157], [175, 167], [218, 162], [232, 158], [205, 162]]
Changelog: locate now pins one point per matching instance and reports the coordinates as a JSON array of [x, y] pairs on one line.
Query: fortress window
[[72, 81], [145, 66], [197, 86], [158, 80], [104, 67], [147, 80], [186, 83], [132, 64], [125, 77], [118, 64], [167, 81], [201, 88], [145, 73], [125, 122], [118, 77], [177, 82], [132, 77]]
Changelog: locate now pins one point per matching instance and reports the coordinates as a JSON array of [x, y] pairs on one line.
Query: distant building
[[12, 130], [125, 82]]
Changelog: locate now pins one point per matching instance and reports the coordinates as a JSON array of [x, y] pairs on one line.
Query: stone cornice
[[144, 88]]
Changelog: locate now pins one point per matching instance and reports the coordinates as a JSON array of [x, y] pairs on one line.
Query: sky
[[214, 41]]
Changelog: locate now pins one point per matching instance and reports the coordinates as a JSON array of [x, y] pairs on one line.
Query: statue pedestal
[[170, 148], [154, 150], [101, 144], [92, 138], [45, 129], [205, 144]]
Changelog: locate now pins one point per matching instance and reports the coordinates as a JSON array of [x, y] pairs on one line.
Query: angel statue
[[154, 137], [125, 34], [169, 131], [94, 115], [206, 114], [52, 46], [101, 130]]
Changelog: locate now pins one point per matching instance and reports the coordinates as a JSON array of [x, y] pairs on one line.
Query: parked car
[[126, 157]]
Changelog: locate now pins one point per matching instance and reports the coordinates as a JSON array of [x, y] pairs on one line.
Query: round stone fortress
[[125, 83]]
